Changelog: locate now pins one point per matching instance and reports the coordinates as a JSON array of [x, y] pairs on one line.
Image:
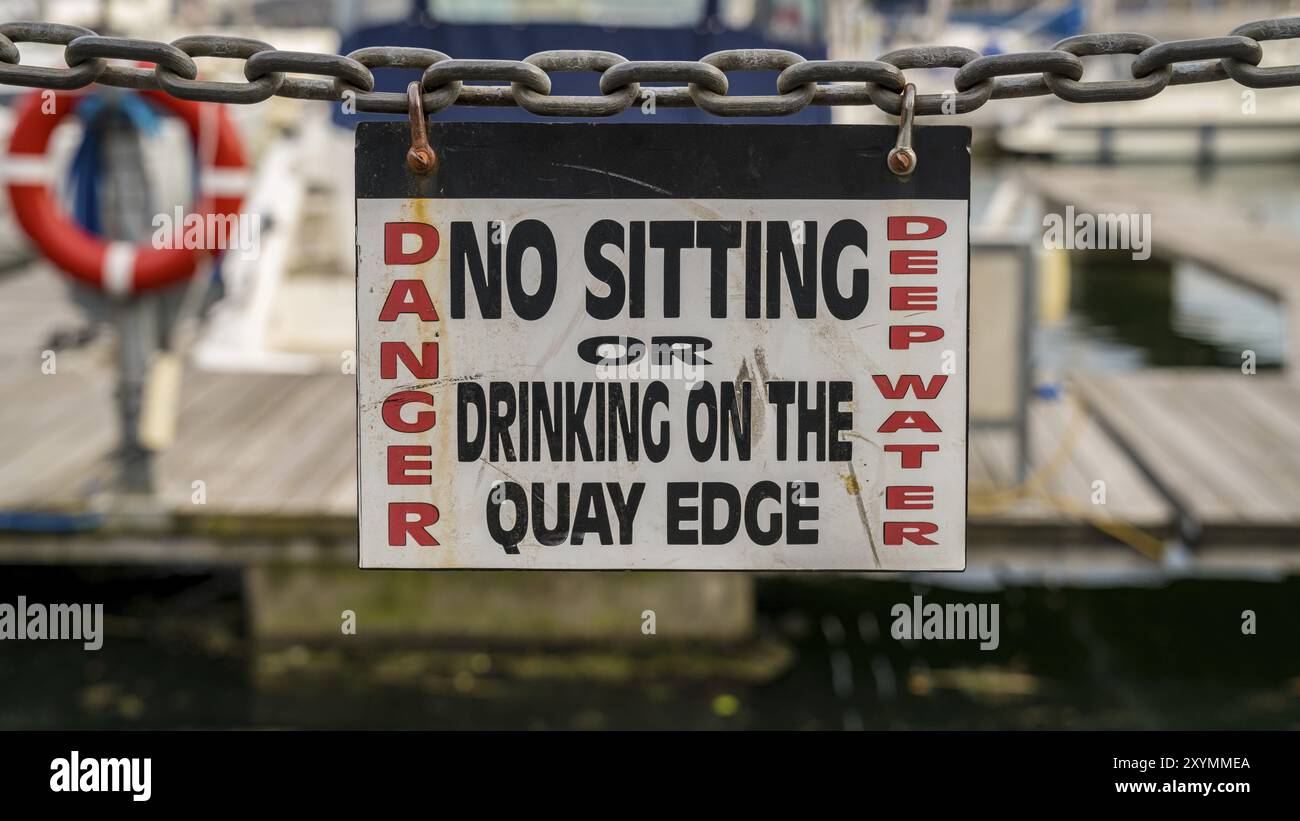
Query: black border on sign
[[671, 161], [634, 161]]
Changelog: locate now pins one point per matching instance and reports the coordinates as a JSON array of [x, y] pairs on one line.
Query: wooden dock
[[271, 450], [276, 455], [1219, 444], [264, 466], [262, 447], [1059, 500], [273, 453], [1187, 223]]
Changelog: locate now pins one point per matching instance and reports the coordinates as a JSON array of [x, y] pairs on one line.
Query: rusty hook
[[902, 158], [421, 159]]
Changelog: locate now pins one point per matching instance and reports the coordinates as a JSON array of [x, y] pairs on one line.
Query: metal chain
[[527, 83]]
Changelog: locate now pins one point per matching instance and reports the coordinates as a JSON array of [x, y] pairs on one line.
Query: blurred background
[[187, 458]]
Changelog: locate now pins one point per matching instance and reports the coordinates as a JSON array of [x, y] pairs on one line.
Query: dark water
[[1124, 314], [177, 654]]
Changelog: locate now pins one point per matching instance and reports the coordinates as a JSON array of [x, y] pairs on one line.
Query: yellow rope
[[1034, 487]]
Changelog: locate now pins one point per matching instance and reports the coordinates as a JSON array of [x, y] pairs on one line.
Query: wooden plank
[[79, 465], [56, 429], [1183, 473], [1061, 500], [1208, 405], [199, 389], [34, 303], [1066, 432], [1219, 441], [1002, 458], [237, 439], [1182, 435], [1050, 425], [337, 495], [1129, 495], [335, 455], [293, 430], [208, 453], [1222, 407], [990, 484], [12, 413], [1175, 411], [986, 447], [1280, 403], [213, 399], [290, 444], [343, 494], [1093, 457]]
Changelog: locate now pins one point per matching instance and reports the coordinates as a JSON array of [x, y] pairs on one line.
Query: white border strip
[[224, 182], [25, 169], [119, 263]]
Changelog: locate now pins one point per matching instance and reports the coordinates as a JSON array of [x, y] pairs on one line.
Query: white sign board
[[596, 362]]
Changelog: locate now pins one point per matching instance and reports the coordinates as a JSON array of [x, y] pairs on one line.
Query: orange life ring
[[115, 267]]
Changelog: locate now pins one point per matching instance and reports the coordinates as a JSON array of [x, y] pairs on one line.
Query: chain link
[[959, 102], [1285, 28], [1139, 88], [164, 56], [527, 83], [395, 102], [559, 105], [188, 88], [14, 74], [754, 105]]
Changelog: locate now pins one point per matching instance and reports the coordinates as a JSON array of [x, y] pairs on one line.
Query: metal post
[[125, 207], [137, 332]]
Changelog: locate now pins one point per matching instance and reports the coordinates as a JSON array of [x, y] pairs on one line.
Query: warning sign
[[662, 347]]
